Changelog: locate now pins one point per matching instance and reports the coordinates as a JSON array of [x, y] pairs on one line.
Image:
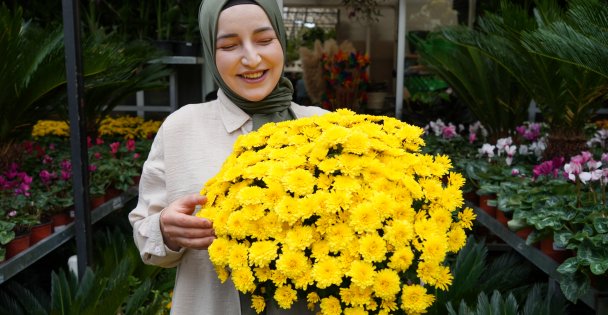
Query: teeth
[[253, 75]]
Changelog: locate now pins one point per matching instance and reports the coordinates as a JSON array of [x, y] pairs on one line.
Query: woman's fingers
[[181, 229]]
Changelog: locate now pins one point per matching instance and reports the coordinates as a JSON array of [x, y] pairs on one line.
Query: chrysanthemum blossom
[[343, 209]]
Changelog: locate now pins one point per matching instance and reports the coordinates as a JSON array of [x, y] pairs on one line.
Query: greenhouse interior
[[458, 166]]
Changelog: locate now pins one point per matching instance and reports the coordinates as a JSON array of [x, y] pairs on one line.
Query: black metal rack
[[596, 300], [26, 258]]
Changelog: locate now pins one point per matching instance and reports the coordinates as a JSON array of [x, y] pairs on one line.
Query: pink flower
[[114, 147], [66, 165], [472, 137], [136, 156], [92, 168], [97, 155], [130, 145], [548, 168], [46, 176], [47, 159], [515, 172], [98, 141], [449, 132], [12, 213], [66, 175]]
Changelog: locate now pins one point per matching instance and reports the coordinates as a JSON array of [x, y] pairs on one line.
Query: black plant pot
[[187, 49]]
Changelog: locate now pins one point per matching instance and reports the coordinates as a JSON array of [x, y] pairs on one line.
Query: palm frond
[[491, 93], [581, 39]]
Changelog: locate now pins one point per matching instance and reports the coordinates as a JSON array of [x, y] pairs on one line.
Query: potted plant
[[6, 235], [567, 95]]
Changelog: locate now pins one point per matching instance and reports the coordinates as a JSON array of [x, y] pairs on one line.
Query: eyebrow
[[256, 31]]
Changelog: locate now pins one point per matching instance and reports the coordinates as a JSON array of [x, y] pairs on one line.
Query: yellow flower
[[258, 303], [415, 299], [285, 296], [312, 299], [222, 273], [243, 279], [299, 238], [44, 128], [435, 247], [399, 233], [362, 274], [339, 236], [330, 306], [365, 218], [466, 217], [456, 238], [250, 195], [356, 296], [218, 251], [299, 181], [261, 253], [327, 271], [402, 259], [372, 248], [237, 256], [355, 311], [292, 264], [386, 283]]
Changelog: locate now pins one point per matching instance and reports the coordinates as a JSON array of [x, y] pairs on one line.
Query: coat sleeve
[[145, 218]]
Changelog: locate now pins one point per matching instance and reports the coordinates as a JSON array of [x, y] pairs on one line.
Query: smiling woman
[[246, 41], [248, 53]]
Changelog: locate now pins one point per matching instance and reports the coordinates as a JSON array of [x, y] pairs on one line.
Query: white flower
[[487, 149]]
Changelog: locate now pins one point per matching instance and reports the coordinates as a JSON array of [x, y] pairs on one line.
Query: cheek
[[224, 63]]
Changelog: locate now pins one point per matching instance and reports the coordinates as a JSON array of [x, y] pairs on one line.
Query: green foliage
[[536, 303], [121, 284], [32, 64], [475, 275], [567, 95], [581, 38], [490, 92]]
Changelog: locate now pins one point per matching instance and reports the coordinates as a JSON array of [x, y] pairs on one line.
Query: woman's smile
[[254, 77]]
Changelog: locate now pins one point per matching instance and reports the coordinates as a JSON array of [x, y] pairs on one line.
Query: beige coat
[[188, 150]]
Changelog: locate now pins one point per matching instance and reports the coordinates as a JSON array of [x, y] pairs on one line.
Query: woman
[[245, 39]]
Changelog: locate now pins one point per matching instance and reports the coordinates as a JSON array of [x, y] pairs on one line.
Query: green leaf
[[569, 266], [600, 224], [574, 286]]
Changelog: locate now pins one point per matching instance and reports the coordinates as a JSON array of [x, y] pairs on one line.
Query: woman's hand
[[181, 229]]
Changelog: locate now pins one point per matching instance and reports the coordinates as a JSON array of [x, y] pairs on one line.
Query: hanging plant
[[363, 10]]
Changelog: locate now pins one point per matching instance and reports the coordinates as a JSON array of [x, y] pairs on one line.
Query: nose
[[251, 58]]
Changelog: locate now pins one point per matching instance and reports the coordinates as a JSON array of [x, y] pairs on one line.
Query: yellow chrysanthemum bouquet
[[341, 210]]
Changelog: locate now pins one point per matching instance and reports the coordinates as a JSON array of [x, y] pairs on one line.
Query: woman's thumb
[[187, 204]]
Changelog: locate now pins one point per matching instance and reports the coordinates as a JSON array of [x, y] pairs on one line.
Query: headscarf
[[276, 106]]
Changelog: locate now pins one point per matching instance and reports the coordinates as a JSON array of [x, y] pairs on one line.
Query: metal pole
[[80, 165], [401, 37]]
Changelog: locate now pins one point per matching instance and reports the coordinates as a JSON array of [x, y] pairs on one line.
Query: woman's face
[[248, 54]]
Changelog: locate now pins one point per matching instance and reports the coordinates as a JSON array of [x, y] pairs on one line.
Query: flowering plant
[[342, 210], [345, 79]]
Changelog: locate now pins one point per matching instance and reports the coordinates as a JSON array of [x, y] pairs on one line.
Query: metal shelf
[[24, 259], [596, 300], [141, 108]]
